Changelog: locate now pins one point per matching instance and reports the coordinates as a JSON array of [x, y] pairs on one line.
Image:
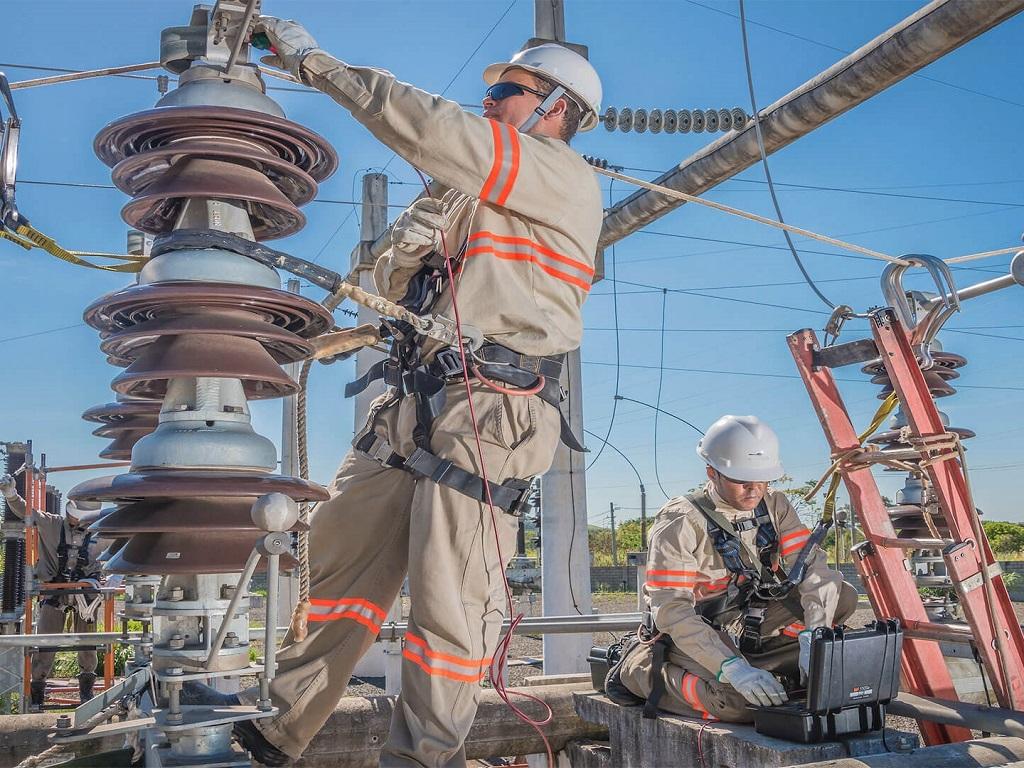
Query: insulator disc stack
[[201, 333], [915, 513]]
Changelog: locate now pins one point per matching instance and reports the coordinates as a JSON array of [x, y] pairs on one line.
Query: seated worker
[[67, 553], [720, 646]]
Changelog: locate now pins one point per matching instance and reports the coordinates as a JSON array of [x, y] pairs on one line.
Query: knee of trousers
[[636, 669], [691, 694], [846, 604], [723, 702]]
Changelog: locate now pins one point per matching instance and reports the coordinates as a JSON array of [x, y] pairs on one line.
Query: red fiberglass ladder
[[935, 453]]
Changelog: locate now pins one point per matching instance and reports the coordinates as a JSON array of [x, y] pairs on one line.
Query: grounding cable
[[764, 162], [982, 255]]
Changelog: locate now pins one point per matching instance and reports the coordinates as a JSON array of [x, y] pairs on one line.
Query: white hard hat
[[85, 512], [560, 65], [742, 448]]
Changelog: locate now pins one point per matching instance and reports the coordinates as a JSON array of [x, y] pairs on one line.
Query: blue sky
[[951, 133]]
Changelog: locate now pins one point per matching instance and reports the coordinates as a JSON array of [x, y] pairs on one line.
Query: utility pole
[[566, 580], [615, 548], [643, 517], [384, 658]]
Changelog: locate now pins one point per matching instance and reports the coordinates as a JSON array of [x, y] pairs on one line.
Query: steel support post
[[889, 584], [565, 557], [966, 559]]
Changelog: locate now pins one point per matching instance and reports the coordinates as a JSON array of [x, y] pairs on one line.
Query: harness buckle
[[381, 450], [448, 363]]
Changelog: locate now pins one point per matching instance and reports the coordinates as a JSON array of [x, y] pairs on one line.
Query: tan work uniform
[[51, 614], [684, 568], [526, 217]]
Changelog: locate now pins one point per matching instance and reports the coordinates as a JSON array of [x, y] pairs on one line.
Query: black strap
[[658, 653], [507, 496]]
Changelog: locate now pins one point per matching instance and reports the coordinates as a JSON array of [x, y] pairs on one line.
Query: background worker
[[721, 647], [67, 553], [520, 214]]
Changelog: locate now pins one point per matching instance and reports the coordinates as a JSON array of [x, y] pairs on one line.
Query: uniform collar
[[720, 504]]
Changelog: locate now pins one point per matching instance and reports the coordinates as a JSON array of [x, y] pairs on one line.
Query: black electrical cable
[[41, 333], [764, 162], [662, 410], [661, 379]]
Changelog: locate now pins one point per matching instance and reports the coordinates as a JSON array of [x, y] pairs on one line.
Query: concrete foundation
[[672, 740], [354, 734]]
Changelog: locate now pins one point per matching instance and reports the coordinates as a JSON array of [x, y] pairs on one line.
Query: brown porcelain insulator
[[933, 379], [157, 209], [892, 437], [205, 356], [180, 515], [947, 360], [134, 175], [139, 303], [188, 484], [283, 346], [158, 128], [123, 410], [187, 553]]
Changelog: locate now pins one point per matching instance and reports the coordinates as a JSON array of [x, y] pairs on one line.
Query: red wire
[[499, 662], [517, 392]]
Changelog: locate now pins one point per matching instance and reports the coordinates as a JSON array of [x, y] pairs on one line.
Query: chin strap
[[544, 107]]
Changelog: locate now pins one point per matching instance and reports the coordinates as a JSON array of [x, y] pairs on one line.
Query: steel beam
[[930, 33]]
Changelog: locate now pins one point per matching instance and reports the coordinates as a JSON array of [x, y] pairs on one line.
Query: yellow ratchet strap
[[829, 507], [29, 237]]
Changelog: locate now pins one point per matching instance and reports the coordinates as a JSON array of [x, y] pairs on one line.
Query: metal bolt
[[177, 642], [63, 723], [176, 593], [227, 591], [231, 640]]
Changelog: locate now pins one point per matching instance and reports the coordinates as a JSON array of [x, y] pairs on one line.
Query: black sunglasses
[[500, 91]]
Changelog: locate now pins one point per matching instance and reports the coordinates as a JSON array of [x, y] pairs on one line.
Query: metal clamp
[[10, 131], [922, 331]]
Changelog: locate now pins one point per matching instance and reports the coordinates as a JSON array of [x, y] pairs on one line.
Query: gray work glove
[[417, 232], [805, 638], [291, 41], [7, 487], [758, 687]]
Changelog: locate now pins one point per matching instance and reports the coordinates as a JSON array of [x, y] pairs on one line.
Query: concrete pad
[[672, 740]]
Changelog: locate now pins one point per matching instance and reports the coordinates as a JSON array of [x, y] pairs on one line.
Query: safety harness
[[68, 553], [408, 373], [751, 588]]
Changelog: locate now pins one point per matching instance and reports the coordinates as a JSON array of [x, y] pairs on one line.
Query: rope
[[300, 616], [982, 255], [34, 761], [747, 215]]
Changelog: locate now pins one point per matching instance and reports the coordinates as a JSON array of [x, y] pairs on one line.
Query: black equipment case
[[853, 675]]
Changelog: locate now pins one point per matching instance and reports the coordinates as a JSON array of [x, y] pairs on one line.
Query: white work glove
[[758, 687], [417, 232], [805, 638], [86, 607], [7, 487], [291, 42]]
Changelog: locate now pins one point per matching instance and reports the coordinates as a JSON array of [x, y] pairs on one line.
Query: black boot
[[248, 735], [613, 686], [86, 680], [38, 694]]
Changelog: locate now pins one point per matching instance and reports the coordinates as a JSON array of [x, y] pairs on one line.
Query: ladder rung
[[902, 543], [939, 582]]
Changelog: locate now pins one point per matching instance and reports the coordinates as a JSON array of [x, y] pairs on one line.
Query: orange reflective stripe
[[672, 573], [499, 151], [675, 579], [440, 664], [507, 256], [793, 629], [543, 250], [797, 540], [689, 691], [362, 611], [671, 584], [513, 170]]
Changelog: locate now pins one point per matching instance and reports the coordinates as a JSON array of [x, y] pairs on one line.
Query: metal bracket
[[850, 353]]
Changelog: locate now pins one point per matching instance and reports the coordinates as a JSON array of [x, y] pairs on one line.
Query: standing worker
[[712, 636], [519, 213], [67, 553]]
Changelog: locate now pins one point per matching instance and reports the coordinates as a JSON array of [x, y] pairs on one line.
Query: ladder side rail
[[964, 558], [891, 587]]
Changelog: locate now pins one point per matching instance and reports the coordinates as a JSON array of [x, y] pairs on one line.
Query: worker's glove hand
[[417, 232], [7, 487], [805, 638], [758, 687], [291, 42], [94, 583]]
